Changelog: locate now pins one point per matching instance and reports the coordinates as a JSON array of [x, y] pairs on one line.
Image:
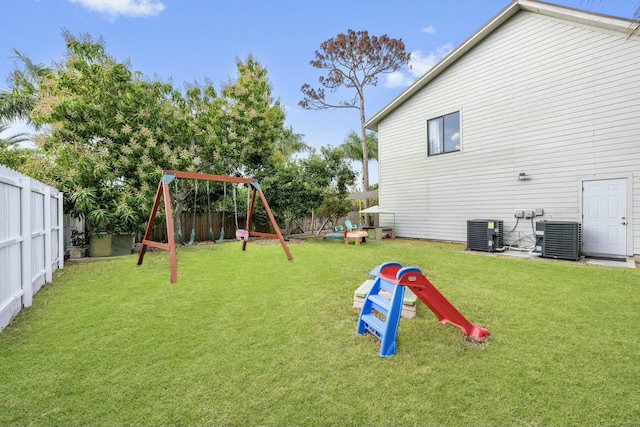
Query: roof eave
[[574, 15]]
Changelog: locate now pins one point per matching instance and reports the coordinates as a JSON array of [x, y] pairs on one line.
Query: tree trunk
[[365, 158], [180, 196], [177, 221]]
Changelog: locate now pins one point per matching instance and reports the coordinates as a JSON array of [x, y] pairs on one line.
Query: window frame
[[441, 143]]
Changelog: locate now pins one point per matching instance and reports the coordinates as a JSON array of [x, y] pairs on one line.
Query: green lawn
[[249, 338]]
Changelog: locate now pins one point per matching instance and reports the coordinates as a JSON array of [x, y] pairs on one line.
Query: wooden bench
[[385, 233], [408, 302]]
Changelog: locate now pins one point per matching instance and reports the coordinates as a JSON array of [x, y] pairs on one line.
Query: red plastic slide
[[441, 307]]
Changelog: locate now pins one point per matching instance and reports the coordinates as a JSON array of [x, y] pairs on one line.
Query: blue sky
[[190, 40]]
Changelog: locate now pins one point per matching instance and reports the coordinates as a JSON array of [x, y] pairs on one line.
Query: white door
[[604, 229]]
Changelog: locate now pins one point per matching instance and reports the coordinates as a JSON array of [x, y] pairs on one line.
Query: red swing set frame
[[163, 193]]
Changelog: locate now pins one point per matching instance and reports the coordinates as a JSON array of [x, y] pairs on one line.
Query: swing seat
[[242, 235], [192, 239]]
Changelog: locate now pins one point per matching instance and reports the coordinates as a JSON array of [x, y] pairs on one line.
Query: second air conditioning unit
[[559, 239]]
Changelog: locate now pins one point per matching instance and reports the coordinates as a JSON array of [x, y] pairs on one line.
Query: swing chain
[[241, 234]]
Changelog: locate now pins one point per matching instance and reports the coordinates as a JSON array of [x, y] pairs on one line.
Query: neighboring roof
[[575, 15], [372, 194]]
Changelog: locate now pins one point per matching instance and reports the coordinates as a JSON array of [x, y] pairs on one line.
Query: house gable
[[579, 17]]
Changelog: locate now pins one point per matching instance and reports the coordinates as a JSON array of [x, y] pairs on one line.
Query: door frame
[[629, 202]]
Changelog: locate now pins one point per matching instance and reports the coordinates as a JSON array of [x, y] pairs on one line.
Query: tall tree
[[11, 155], [353, 61], [17, 102], [12, 140], [253, 121], [112, 132], [290, 143]]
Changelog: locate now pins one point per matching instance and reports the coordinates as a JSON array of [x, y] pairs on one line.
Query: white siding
[[555, 99]]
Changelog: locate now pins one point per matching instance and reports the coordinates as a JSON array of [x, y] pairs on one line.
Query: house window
[[443, 134]]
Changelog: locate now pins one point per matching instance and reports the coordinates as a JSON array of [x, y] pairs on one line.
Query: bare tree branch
[[353, 61]]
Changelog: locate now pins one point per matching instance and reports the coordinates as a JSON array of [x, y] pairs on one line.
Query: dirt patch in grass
[[475, 343], [252, 240], [271, 242]]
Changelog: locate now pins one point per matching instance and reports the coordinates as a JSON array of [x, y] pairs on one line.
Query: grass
[[249, 338]]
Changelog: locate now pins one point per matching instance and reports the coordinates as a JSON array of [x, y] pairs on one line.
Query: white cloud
[[398, 79], [289, 108], [131, 8], [419, 65], [429, 30]]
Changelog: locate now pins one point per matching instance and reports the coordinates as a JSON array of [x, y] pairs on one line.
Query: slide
[[432, 298]]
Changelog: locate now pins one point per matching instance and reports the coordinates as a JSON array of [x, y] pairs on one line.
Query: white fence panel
[[10, 246], [56, 232], [30, 240], [38, 267]]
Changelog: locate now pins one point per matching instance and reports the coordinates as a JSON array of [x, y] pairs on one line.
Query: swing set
[[163, 193]]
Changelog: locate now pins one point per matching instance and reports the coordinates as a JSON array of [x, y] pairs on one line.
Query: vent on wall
[[484, 235], [559, 239]]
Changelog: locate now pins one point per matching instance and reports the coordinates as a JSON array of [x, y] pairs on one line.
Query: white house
[[538, 110]]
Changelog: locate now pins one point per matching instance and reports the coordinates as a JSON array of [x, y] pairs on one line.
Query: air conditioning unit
[[485, 235], [559, 239]]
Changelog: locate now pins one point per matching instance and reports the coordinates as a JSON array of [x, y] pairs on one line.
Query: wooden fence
[[31, 240], [202, 225], [319, 224]]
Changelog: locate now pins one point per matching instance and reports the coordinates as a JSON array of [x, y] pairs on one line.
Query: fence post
[[60, 230], [48, 259], [25, 220]]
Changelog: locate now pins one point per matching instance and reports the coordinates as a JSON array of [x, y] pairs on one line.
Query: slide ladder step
[[380, 303], [374, 325]]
